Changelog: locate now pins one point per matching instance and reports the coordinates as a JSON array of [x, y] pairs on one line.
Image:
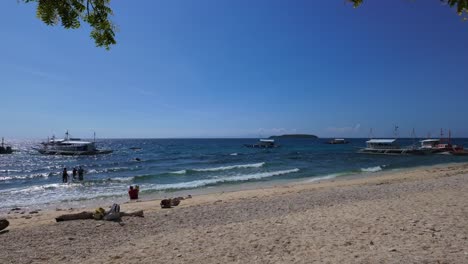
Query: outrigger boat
[[263, 143], [441, 145], [390, 147], [70, 146], [5, 149]]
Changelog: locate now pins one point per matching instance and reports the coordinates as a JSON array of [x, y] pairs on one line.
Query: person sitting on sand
[[64, 175], [80, 173], [133, 193]]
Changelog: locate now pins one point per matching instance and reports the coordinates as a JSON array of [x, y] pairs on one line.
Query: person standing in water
[[74, 173], [64, 175], [80, 174]]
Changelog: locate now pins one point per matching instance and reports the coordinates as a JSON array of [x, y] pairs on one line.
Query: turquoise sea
[[28, 178]]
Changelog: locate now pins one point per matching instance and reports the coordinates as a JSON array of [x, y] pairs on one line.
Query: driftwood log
[[89, 215], [4, 224]]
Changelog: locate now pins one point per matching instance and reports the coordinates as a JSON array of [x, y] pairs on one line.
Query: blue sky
[[209, 68]]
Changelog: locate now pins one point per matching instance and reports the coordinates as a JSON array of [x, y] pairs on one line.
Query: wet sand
[[414, 216]]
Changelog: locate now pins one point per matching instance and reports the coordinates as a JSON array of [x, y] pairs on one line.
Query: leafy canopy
[[96, 13], [462, 5], [70, 13]]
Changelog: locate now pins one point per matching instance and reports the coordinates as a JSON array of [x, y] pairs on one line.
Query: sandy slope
[[417, 216]]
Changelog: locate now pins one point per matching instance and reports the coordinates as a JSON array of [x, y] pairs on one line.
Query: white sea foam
[[179, 172], [204, 182], [39, 175], [44, 187], [242, 166], [372, 169], [6, 178], [8, 171], [233, 154], [122, 179]]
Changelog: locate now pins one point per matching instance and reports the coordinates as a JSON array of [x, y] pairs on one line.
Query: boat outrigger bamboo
[[70, 146]]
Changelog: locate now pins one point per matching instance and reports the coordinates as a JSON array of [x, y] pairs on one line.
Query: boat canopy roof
[[381, 141], [76, 142], [267, 140], [430, 140]]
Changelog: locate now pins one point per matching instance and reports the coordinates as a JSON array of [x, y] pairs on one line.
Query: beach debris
[[34, 212], [16, 209], [4, 224], [168, 203], [188, 197], [113, 214]]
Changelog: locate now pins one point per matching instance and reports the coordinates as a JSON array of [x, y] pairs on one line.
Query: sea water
[[165, 166]]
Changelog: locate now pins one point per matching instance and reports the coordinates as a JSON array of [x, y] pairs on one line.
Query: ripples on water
[[28, 178]]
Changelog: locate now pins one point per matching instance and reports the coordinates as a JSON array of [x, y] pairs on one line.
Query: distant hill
[[295, 136]]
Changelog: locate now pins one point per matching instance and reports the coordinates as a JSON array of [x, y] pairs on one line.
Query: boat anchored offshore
[[70, 146], [388, 147], [442, 145], [337, 141], [5, 149], [263, 143]]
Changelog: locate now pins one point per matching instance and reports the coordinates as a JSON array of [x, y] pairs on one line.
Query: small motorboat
[[338, 141], [5, 149], [263, 143]]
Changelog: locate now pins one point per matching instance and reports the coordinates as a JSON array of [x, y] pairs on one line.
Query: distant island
[[295, 136]]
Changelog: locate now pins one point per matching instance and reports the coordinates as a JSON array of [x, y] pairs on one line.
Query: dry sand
[[414, 216]]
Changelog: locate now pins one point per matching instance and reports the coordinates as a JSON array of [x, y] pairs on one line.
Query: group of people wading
[[76, 172]]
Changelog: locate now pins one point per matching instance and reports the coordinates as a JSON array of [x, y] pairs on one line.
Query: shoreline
[[418, 215], [47, 213], [149, 195]]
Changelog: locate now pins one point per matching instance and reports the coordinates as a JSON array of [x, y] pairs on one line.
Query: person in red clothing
[[133, 193]]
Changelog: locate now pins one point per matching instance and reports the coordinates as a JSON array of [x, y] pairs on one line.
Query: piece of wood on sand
[[89, 215], [4, 224]]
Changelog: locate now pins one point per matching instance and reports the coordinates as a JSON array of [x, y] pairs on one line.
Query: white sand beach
[[413, 216]]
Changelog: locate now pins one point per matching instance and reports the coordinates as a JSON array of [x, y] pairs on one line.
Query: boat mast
[[396, 132], [94, 137], [371, 134], [2, 142]]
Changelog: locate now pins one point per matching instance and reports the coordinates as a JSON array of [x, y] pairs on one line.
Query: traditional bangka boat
[[70, 146], [441, 145]]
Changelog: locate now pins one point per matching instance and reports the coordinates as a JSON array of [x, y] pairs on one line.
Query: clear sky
[[210, 68]]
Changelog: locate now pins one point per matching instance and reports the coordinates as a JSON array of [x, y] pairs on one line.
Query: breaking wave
[[231, 167], [372, 169], [32, 176], [212, 181], [179, 172]]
